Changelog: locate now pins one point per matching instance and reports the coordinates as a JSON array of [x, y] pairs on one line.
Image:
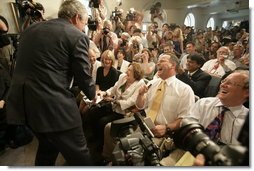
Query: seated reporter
[[241, 160], [226, 108], [223, 118], [106, 75], [174, 104], [121, 97], [193, 75]]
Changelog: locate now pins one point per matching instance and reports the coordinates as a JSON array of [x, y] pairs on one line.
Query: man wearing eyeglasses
[[233, 93]]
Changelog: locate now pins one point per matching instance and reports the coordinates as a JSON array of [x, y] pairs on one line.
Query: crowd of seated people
[[187, 60], [204, 59]]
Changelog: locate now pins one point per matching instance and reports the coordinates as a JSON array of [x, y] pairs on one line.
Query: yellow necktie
[[157, 100]]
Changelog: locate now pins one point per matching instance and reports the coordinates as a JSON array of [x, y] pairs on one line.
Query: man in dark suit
[[5, 81], [193, 75], [50, 54]]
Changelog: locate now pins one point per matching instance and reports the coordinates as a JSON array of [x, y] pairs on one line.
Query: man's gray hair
[[246, 74], [224, 47], [172, 58], [70, 8]]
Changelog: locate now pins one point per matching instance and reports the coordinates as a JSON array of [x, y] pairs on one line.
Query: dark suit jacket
[[50, 53], [198, 81]]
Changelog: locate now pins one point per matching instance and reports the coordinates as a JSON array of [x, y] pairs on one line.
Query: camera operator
[[6, 49], [99, 12], [233, 93], [123, 41], [135, 46], [117, 21], [153, 38], [166, 102], [133, 18], [33, 12], [5, 82], [105, 38], [5, 78], [156, 12]]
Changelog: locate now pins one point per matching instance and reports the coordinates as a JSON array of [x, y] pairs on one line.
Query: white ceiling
[[221, 7]]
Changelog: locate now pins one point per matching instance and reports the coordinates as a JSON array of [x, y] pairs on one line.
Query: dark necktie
[[91, 70], [214, 128], [104, 46]]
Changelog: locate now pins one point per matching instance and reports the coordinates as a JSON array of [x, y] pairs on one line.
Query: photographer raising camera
[[106, 39], [33, 12], [117, 21], [157, 14]]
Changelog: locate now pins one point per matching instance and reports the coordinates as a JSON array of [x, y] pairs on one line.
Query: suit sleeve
[[81, 67], [197, 86]]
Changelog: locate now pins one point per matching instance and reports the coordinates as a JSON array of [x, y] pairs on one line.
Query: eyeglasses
[[227, 82]]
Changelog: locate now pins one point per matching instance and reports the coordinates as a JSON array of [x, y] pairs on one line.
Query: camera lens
[[105, 30], [191, 138]]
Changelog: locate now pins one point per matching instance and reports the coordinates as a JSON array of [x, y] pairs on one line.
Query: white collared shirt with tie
[[178, 98], [206, 109]]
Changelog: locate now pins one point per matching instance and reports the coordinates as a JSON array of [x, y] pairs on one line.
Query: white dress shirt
[[178, 98], [124, 66], [206, 109], [209, 67], [96, 65], [183, 61], [128, 97]]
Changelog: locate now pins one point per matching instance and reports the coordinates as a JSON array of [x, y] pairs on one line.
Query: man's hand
[[2, 102], [159, 130], [143, 90], [199, 160]]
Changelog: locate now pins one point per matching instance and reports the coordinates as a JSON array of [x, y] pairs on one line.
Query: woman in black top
[[107, 75]]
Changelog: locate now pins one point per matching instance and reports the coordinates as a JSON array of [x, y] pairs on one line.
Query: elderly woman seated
[[121, 99]]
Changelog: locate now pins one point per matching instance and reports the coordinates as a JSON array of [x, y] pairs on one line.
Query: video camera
[[31, 9], [93, 4], [155, 8], [135, 45], [131, 15], [116, 14], [105, 30], [191, 137], [134, 148]]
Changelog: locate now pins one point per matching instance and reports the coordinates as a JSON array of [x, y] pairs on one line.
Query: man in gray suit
[[50, 53]]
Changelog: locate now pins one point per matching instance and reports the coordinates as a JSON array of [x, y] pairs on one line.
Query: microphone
[[149, 85]]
